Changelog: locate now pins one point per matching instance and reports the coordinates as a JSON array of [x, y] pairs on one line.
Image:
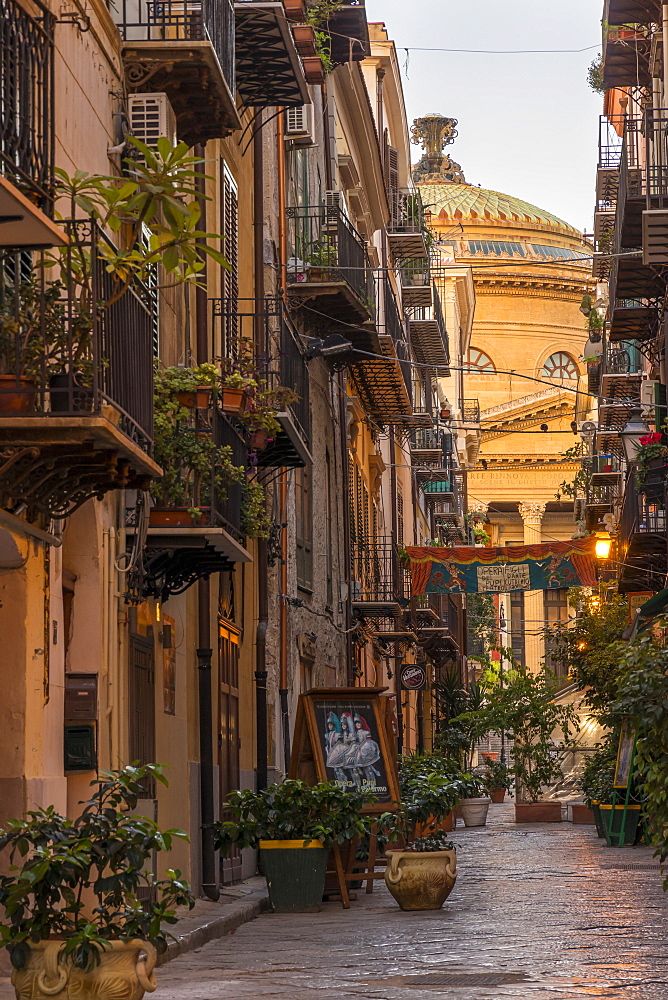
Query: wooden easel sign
[[341, 736]]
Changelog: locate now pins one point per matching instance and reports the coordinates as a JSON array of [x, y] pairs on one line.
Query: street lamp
[[634, 429], [603, 546]]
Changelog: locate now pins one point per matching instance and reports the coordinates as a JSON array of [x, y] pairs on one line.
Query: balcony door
[[228, 736], [141, 682]]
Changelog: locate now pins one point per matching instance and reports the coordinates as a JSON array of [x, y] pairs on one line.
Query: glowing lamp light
[[603, 546], [582, 645]]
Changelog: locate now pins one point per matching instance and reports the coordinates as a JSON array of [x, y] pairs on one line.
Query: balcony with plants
[[417, 288], [186, 50], [626, 55], [329, 271], [76, 336], [407, 233], [27, 126], [276, 60], [642, 538]]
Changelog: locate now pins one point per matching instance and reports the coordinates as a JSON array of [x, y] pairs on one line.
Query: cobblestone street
[[540, 912]]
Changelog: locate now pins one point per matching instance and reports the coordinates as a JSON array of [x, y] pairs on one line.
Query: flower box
[[199, 398], [582, 815], [304, 35], [538, 812], [294, 10], [313, 70], [178, 517]]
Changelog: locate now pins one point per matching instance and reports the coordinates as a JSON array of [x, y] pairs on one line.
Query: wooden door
[[142, 705], [228, 738]]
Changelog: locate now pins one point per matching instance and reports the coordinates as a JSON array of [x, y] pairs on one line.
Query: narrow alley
[[541, 911]]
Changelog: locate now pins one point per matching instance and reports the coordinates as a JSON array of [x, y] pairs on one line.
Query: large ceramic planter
[[421, 880], [474, 811], [295, 872], [612, 825], [538, 812], [17, 395], [125, 972]]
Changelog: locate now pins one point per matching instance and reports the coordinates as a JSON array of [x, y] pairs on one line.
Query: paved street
[[547, 909]]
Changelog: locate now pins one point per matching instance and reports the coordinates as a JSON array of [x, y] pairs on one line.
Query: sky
[[528, 124]]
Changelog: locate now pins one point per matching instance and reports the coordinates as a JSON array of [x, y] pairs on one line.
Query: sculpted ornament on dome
[[444, 171], [434, 133]]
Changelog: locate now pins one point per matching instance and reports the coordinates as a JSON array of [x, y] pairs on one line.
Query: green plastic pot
[[295, 872], [613, 833], [598, 819]]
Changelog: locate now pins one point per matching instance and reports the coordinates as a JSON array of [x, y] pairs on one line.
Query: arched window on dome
[[478, 361], [560, 366]]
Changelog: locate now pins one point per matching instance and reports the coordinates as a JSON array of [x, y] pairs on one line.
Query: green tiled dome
[[461, 202]]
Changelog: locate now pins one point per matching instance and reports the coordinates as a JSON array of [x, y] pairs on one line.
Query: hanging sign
[[413, 677], [496, 570], [341, 736]]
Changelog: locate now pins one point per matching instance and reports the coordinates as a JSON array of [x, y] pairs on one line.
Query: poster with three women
[[351, 746]]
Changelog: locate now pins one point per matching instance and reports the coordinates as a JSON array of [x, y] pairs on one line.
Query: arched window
[[478, 361], [561, 366]]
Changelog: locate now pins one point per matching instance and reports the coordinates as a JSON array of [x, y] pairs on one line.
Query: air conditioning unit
[[151, 118], [649, 392], [299, 125]]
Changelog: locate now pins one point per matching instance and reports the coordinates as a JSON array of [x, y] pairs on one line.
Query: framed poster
[[341, 735], [627, 738]]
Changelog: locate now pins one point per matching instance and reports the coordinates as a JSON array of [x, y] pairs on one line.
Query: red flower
[[654, 438]]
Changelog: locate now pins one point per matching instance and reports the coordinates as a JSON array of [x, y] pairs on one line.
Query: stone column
[[534, 610]]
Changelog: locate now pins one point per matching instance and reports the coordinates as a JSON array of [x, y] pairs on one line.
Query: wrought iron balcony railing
[[470, 411], [325, 249], [377, 576], [26, 99], [76, 349]]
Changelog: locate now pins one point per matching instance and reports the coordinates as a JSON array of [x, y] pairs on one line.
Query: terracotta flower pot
[[304, 35], [313, 70], [259, 440], [497, 795], [177, 517], [232, 399], [294, 10], [538, 812], [421, 880], [121, 973], [17, 395], [199, 397], [582, 815]]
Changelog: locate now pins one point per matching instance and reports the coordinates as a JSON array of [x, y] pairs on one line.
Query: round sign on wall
[[413, 677]]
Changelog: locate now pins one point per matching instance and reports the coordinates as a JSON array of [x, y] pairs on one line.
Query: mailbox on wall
[[80, 717], [80, 697]]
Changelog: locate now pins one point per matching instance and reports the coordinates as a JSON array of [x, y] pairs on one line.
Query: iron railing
[[415, 274], [406, 211], [324, 246], [178, 21], [239, 327], [622, 360], [470, 411], [73, 348], [26, 98], [640, 516], [376, 573], [433, 313]]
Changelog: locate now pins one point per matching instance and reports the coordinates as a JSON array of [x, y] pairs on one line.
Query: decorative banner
[[471, 570]]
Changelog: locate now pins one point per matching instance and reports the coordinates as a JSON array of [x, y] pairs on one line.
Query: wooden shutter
[[142, 705], [229, 228]]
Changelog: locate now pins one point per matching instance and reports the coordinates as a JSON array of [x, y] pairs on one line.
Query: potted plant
[[195, 465], [421, 875], [73, 923], [474, 803], [293, 825], [32, 338], [431, 787], [498, 778], [650, 462]]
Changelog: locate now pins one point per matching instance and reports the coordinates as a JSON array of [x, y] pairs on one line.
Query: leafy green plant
[[193, 463], [106, 853], [319, 11], [595, 75], [496, 774], [598, 773], [292, 810], [652, 446], [33, 332], [430, 787], [437, 841], [255, 518]]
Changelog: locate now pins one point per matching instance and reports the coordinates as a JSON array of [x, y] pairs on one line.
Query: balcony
[[379, 588], [235, 322], [470, 410], [429, 337], [626, 52], [76, 390], [187, 51], [385, 387], [435, 622], [426, 445], [594, 376], [182, 547], [599, 501], [633, 319], [27, 126], [329, 273], [406, 230], [620, 377], [620, 12], [416, 284], [349, 32], [269, 70], [642, 541]]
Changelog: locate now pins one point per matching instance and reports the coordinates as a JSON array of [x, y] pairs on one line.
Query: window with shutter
[[392, 182], [229, 228], [304, 528]]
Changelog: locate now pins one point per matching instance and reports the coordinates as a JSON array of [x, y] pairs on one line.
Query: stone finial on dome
[[434, 133]]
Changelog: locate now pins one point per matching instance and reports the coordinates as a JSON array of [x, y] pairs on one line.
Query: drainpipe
[[204, 651], [262, 564], [283, 272], [397, 670]]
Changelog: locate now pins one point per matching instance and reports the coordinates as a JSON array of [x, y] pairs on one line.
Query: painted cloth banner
[[471, 570]]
